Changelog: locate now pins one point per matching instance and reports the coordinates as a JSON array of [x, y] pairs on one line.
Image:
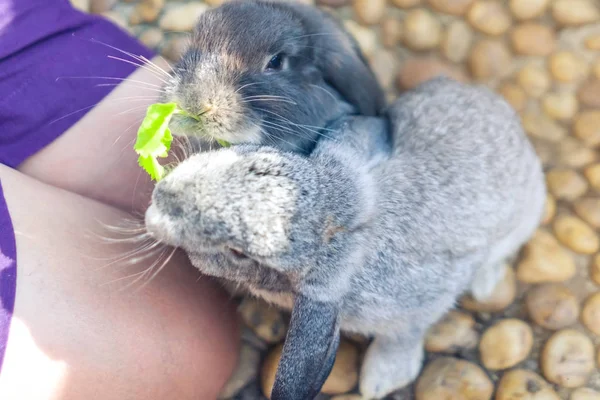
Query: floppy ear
[[309, 351], [340, 60]]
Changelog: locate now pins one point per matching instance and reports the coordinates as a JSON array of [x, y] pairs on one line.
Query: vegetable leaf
[[223, 143], [154, 138], [152, 166]]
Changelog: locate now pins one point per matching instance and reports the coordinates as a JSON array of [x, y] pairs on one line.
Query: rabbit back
[[462, 188]]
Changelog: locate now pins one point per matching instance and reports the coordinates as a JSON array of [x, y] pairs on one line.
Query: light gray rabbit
[[378, 231]]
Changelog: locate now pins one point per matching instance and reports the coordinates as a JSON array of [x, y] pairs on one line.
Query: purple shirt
[[48, 53]]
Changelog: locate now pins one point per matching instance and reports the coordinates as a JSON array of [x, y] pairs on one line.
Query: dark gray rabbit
[[271, 73], [378, 231]]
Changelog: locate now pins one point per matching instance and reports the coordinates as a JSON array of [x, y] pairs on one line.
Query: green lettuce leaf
[[154, 138]]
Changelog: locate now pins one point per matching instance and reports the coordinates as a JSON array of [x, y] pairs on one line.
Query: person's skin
[[95, 158], [77, 333]]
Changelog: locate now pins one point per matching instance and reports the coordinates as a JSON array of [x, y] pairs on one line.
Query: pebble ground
[[539, 336]]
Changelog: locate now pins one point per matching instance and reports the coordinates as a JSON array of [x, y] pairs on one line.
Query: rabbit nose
[[168, 203]]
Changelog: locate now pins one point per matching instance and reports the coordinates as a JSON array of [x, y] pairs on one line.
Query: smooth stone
[[589, 94], [418, 70], [385, 67], [392, 32], [560, 106], [544, 260], [489, 17], [146, 11], [575, 154], [567, 67], [489, 58], [588, 209], [587, 127], [585, 394], [549, 209], [505, 344], [534, 80], [457, 41], [590, 314], [453, 379], [100, 6], [592, 173], [552, 306], [421, 30], [264, 319], [568, 358], [575, 12], [566, 184], [369, 12], [595, 269], [503, 295], [406, 3], [528, 9], [182, 18], [592, 42], [175, 47], [523, 384], [514, 94], [365, 37], [82, 5], [576, 234], [452, 7], [152, 37], [455, 331], [539, 125], [533, 39]]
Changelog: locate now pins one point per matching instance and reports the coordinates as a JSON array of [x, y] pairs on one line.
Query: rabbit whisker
[[110, 78], [246, 85], [127, 53], [143, 66], [132, 109], [155, 274], [142, 275], [151, 244], [266, 99], [271, 138], [139, 87], [326, 91], [314, 34], [288, 122]]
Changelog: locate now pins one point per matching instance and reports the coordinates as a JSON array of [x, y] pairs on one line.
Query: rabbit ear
[[345, 68], [309, 351], [340, 60]]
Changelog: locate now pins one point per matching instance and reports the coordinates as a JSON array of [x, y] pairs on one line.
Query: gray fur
[[221, 78], [388, 220]]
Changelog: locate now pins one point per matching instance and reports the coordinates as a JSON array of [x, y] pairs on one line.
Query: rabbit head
[[271, 73]]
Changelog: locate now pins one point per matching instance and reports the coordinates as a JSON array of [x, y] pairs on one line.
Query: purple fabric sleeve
[[8, 274], [44, 46]]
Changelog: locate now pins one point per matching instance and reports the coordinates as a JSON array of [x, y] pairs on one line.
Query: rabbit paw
[[486, 280], [390, 365]]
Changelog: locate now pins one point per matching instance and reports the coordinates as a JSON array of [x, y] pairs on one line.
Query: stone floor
[[539, 337]]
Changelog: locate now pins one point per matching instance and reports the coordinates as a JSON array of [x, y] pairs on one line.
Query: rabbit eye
[[276, 63], [237, 254]]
